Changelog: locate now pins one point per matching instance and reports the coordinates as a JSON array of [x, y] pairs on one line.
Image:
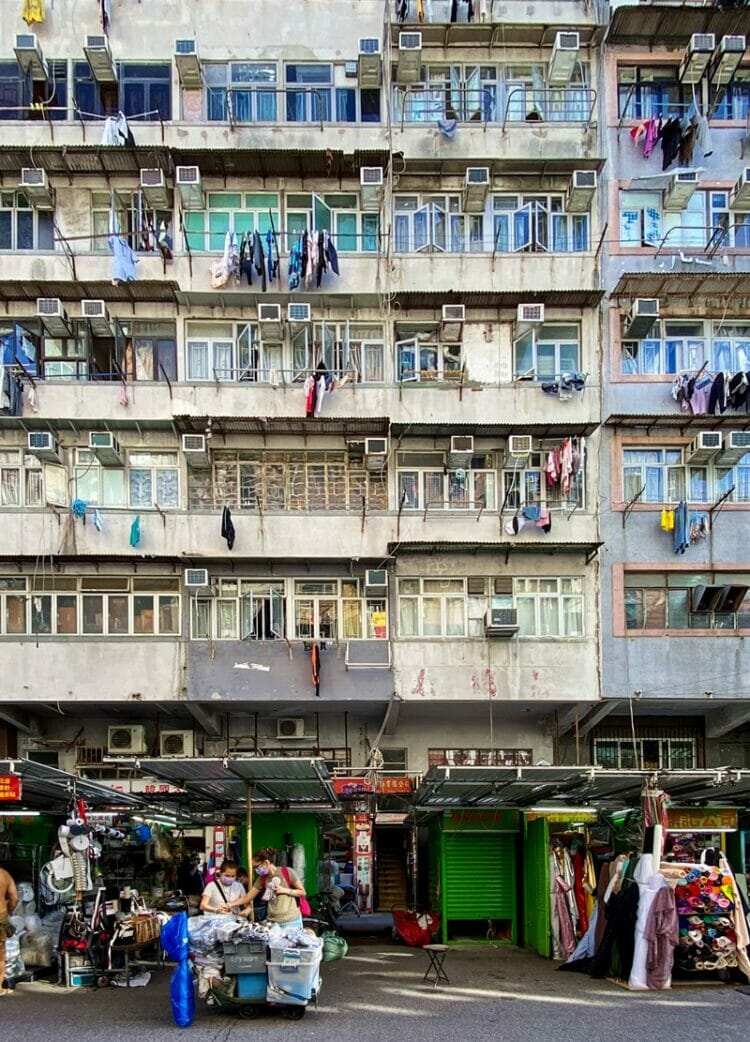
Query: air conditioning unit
[[29, 56], [369, 68], [196, 578], [298, 314], [501, 622], [519, 446], [476, 187], [100, 59], [96, 314], [697, 55], [376, 453], [35, 186], [106, 448], [530, 314], [703, 448], [269, 322], [376, 580], [680, 190], [195, 450], [126, 740], [154, 187], [461, 450], [188, 64], [452, 325], [176, 743], [736, 445], [563, 60], [43, 445], [726, 60], [740, 197], [188, 182], [409, 65], [641, 318], [54, 317], [371, 187], [290, 727], [581, 191]]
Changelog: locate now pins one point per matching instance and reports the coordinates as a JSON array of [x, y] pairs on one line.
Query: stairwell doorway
[[392, 845]]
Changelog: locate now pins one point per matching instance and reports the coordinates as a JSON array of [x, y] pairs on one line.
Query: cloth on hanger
[[321, 265], [578, 859], [738, 390], [32, 11], [717, 397], [332, 256], [309, 389], [667, 520], [31, 398], [703, 135], [680, 536], [567, 934], [295, 264], [698, 528], [670, 137], [246, 256], [531, 512], [402, 10], [687, 144], [700, 394], [271, 262], [122, 396], [98, 523], [618, 941], [116, 131], [448, 128], [259, 259], [662, 935], [124, 259], [544, 521], [320, 392], [649, 883], [135, 531], [106, 15], [315, 666], [227, 528]]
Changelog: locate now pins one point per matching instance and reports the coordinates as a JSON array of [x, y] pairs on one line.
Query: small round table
[[436, 970]]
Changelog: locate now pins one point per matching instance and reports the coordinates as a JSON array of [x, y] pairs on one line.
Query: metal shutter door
[[480, 875]]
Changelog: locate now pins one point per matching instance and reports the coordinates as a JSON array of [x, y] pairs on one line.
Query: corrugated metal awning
[[347, 426], [706, 284], [497, 429], [143, 291], [510, 298], [524, 29], [684, 422], [501, 547], [664, 25], [48, 789]]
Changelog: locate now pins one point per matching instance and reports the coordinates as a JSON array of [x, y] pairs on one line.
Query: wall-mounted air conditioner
[[680, 190], [697, 55], [376, 453], [704, 447], [740, 197], [298, 314], [519, 446], [563, 59], [371, 187], [476, 187], [290, 727], [54, 317], [726, 60], [736, 445], [99, 57], [196, 578], [409, 64], [452, 324], [195, 450], [581, 191], [43, 445], [154, 187], [188, 64], [106, 448], [176, 743], [36, 187], [461, 450], [96, 314], [126, 740], [530, 314], [369, 68], [188, 182], [29, 56], [376, 580], [501, 622], [269, 322], [641, 318]]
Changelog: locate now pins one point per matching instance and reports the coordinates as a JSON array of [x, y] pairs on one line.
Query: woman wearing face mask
[[279, 887], [224, 891]]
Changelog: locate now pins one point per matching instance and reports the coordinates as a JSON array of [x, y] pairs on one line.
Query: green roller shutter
[[480, 876], [536, 887]]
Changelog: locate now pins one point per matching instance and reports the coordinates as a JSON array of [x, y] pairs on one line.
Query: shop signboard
[[566, 817], [10, 788], [149, 786], [352, 786], [718, 819], [363, 861], [388, 785]]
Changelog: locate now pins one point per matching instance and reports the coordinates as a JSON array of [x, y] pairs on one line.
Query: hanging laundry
[[106, 15], [703, 136], [135, 532], [98, 523], [271, 262], [402, 10], [448, 128], [295, 264], [259, 259], [717, 397], [78, 509], [227, 528], [32, 11], [544, 520], [320, 391], [123, 395], [221, 270], [698, 528], [687, 145], [309, 389], [322, 264], [667, 520], [315, 664], [124, 259], [331, 255], [31, 398], [681, 540], [670, 137]]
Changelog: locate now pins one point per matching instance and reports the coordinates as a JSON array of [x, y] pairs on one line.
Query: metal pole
[[249, 828]]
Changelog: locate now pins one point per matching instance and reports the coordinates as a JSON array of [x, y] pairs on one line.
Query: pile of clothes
[[711, 393]]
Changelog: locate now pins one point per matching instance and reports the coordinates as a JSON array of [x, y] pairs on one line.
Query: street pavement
[[376, 994]]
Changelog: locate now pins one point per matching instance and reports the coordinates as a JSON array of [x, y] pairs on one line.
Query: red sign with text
[[10, 788]]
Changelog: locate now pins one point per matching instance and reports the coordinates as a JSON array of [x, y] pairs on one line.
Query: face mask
[[262, 871], [227, 880]]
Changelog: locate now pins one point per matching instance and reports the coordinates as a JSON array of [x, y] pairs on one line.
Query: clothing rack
[[629, 506]]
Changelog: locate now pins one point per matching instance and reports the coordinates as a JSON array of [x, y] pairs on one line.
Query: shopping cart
[[289, 978]]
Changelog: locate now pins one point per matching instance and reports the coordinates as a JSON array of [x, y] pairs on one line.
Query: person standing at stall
[[8, 901], [279, 889], [224, 892]]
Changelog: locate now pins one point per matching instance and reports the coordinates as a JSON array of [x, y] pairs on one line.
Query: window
[[651, 90], [422, 356], [22, 98], [348, 349], [140, 224], [682, 345], [547, 352], [149, 352], [537, 224], [733, 101], [424, 482], [235, 91], [479, 757], [90, 606], [335, 609], [22, 227], [308, 93], [435, 224], [242, 609], [657, 601], [237, 212], [395, 759], [526, 484], [432, 607], [676, 754], [704, 221], [229, 351], [151, 479], [352, 231], [143, 91], [21, 480], [665, 477], [549, 607]]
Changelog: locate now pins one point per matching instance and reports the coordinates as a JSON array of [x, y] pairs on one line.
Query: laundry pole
[[249, 829]]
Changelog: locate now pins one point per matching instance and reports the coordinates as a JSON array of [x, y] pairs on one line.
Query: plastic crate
[[251, 986], [293, 975], [246, 957]]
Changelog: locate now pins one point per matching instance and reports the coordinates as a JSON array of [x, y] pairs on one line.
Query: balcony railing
[[550, 105], [706, 238]]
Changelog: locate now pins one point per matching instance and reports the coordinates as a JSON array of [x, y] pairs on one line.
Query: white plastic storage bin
[[293, 975]]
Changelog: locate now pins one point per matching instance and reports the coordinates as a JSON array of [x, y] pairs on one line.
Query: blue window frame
[[18, 91], [143, 90]]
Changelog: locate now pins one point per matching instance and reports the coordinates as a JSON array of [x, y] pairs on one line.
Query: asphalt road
[[376, 995]]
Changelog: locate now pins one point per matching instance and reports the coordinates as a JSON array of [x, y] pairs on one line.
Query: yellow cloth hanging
[[33, 11], [667, 520], [420, 10]]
